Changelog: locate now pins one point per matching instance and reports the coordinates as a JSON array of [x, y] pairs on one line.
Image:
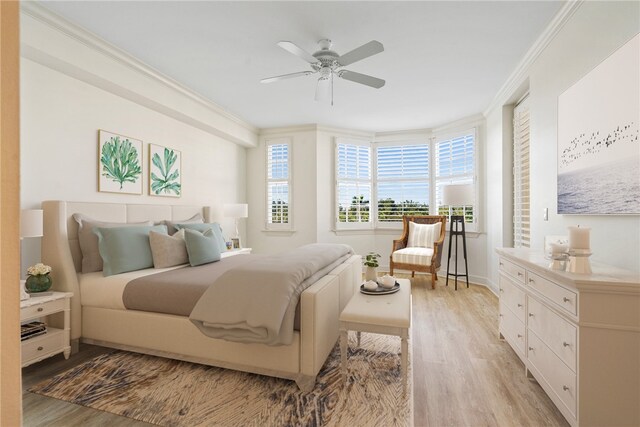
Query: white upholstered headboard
[[60, 247]]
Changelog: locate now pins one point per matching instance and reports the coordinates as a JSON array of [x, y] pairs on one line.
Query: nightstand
[[233, 252], [54, 309]]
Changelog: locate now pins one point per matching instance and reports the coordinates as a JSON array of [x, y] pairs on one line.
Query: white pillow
[[168, 251], [423, 235]]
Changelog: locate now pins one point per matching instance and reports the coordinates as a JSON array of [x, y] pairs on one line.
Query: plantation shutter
[[402, 180], [521, 202], [278, 184], [353, 182], [455, 164]]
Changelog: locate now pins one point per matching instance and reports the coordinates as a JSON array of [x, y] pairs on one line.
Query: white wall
[[60, 119], [594, 32]]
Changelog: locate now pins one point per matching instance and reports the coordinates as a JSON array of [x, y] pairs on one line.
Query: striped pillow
[[423, 235]]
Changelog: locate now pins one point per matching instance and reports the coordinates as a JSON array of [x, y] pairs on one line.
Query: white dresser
[[577, 334]]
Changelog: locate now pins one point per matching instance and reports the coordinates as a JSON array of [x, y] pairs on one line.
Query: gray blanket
[[256, 302]]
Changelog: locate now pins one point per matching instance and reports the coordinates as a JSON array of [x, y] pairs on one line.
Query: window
[[278, 184], [353, 183], [402, 181], [521, 213], [378, 183], [455, 164]]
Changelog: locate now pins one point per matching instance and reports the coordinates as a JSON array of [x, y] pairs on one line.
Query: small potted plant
[[38, 279], [371, 262]]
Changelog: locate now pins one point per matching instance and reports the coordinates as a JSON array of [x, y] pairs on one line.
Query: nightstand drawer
[[44, 309], [512, 269], [43, 346], [561, 297]]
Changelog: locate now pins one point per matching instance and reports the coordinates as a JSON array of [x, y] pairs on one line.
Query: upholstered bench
[[378, 314]]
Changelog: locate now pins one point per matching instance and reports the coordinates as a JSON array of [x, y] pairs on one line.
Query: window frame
[[336, 203], [289, 224], [459, 178]]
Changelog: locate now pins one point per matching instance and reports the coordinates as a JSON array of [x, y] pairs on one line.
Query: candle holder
[[558, 261], [579, 261]]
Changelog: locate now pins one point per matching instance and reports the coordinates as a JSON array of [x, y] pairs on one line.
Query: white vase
[[371, 274]]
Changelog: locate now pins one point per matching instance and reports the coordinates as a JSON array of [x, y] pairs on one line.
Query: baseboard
[[442, 274]]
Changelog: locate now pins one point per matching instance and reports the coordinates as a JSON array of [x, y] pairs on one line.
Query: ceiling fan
[[328, 64]]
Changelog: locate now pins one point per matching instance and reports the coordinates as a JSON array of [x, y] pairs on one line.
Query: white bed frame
[[175, 336]]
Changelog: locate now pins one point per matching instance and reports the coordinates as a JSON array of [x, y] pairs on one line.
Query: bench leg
[[343, 354], [404, 358], [358, 335]]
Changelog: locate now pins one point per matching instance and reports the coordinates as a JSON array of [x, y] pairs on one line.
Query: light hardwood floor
[[463, 374]]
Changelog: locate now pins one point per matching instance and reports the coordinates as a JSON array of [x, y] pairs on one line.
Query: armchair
[[426, 260]]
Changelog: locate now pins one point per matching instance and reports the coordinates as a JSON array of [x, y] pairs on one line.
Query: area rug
[[167, 392]]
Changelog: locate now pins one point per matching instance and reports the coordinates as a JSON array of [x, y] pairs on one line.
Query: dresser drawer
[[512, 329], [39, 310], [43, 345], [512, 270], [557, 333], [555, 373], [512, 296], [563, 298]]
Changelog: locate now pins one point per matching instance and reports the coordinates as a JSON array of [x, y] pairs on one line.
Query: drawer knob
[[519, 305], [530, 314], [530, 348], [519, 274], [519, 336], [40, 348], [501, 265], [565, 299], [501, 290], [566, 344], [565, 388], [40, 309], [531, 280], [500, 315]]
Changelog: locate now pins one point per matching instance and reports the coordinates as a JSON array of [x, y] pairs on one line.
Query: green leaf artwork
[[167, 179], [119, 160]]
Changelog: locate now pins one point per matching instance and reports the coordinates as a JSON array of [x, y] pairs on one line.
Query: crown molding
[[519, 75], [314, 127], [79, 34]]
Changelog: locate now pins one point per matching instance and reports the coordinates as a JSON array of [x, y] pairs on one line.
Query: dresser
[[578, 335]]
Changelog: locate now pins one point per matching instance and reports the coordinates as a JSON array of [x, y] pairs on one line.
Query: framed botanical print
[[165, 171], [119, 163]]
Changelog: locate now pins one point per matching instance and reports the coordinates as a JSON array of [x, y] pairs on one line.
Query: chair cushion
[[416, 256], [423, 235]]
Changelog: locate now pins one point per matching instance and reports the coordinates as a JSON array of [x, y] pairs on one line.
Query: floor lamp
[[457, 195], [236, 211]]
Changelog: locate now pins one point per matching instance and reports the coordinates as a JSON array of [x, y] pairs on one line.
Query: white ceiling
[[442, 61]]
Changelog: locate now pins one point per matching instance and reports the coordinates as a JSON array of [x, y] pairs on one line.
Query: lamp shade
[[31, 223], [236, 210], [458, 195]]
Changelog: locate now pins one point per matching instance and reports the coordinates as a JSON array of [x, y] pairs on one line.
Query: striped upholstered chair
[[419, 248]]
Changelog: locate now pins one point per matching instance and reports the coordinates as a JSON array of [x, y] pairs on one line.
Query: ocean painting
[[598, 144]]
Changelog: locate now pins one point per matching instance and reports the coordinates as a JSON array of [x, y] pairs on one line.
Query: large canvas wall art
[[119, 163], [598, 146]]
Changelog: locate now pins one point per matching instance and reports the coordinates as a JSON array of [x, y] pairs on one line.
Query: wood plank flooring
[[463, 374]]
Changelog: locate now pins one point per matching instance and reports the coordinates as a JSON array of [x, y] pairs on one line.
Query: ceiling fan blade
[[286, 76], [362, 52], [298, 51], [361, 78]]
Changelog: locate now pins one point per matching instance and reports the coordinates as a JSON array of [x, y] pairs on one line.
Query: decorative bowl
[[387, 281], [370, 285]]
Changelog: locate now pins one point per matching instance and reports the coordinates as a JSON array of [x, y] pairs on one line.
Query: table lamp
[[236, 211], [30, 226]]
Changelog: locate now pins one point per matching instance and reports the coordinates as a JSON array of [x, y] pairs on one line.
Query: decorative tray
[[381, 290]]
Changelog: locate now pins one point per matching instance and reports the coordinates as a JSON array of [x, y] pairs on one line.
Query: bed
[[97, 317]]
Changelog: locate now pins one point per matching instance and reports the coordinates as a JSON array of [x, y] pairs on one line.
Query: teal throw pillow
[[214, 226], [126, 248], [201, 247]]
